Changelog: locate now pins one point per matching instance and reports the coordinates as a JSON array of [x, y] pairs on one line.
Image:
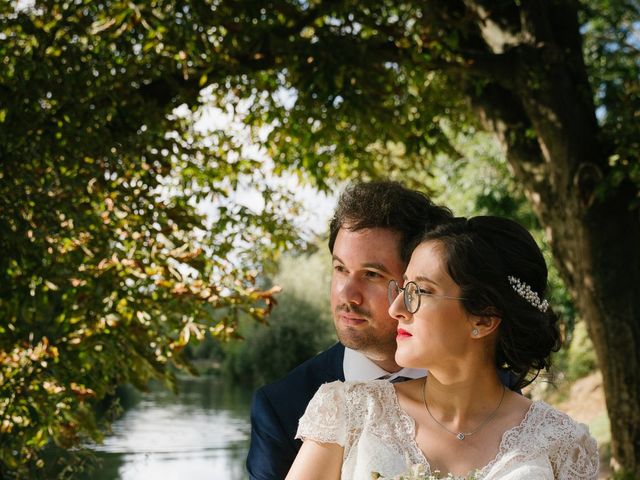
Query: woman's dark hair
[[386, 204], [480, 254]]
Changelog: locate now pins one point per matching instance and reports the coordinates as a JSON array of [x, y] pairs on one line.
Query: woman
[[472, 300]]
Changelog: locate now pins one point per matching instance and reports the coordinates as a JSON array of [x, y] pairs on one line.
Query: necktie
[[397, 379], [400, 378]]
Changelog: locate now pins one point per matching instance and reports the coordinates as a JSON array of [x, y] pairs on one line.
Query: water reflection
[[203, 432]]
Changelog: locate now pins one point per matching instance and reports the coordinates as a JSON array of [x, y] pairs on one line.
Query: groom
[[370, 233]]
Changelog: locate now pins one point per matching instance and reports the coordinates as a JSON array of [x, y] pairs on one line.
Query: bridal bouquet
[[419, 472]]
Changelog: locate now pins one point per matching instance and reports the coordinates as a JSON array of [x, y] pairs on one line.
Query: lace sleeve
[[580, 459], [325, 419]]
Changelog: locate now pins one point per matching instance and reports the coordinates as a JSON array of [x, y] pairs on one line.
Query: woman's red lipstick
[[403, 333]]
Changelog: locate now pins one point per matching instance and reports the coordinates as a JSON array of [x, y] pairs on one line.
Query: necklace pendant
[[460, 436]]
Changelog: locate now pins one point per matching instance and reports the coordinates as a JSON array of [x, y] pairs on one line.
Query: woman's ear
[[484, 325]]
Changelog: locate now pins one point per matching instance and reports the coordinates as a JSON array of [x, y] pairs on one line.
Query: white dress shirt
[[358, 368]]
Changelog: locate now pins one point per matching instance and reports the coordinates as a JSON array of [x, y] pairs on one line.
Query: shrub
[[299, 327]]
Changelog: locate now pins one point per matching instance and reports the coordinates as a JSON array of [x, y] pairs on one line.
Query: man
[[371, 233]]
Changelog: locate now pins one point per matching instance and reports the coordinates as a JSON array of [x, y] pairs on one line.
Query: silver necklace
[[460, 435]]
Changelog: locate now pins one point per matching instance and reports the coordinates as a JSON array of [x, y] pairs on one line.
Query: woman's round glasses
[[412, 295]]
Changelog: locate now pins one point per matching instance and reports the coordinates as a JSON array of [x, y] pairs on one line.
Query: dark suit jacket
[[276, 409]]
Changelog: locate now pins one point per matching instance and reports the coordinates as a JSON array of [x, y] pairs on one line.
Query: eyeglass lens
[[392, 291], [410, 295]]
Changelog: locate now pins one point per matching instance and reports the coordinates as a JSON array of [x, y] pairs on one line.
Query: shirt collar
[[357, 367]]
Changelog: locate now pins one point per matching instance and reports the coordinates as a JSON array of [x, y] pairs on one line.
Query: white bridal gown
[[378, 436]]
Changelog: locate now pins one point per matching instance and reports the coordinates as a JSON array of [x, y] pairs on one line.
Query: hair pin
[[528, 294]]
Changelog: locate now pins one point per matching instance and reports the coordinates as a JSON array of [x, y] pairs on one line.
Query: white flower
[[419, 472]]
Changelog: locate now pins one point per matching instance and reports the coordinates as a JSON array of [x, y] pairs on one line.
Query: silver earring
[[474, 332]]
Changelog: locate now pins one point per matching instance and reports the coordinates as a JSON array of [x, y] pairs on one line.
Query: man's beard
[[355, 338], [346, 308]]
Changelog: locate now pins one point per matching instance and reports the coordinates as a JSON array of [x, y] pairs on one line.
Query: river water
[[201, 433]]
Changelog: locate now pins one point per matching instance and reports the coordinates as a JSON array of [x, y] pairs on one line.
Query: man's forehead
[[381, 232], [367, 238], [377, 248]]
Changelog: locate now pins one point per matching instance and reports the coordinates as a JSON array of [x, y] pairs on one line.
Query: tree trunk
[[593, 232]]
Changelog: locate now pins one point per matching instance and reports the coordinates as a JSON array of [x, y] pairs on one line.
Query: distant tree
[[300, 326]]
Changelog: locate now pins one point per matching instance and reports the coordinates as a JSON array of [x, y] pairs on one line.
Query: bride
[[472, 299]]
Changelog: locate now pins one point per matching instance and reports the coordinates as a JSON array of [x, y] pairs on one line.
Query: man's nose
[[351, 291]]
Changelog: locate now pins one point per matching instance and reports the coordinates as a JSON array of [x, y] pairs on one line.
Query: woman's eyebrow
[[423, 278]]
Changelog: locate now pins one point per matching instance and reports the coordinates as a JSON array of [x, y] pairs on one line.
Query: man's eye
[[338, 268], [371, 274]]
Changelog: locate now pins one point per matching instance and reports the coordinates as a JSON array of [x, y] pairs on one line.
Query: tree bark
[[594, 235]]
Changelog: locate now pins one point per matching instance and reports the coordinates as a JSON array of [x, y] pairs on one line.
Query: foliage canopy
[[108, 266]]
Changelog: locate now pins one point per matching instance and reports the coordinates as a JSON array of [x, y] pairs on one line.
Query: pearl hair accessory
[[529, 295]]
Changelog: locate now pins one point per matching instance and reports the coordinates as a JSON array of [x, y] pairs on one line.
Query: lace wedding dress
[[378, 436]]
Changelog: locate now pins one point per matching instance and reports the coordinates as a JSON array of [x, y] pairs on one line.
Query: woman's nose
[[397, 309]]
